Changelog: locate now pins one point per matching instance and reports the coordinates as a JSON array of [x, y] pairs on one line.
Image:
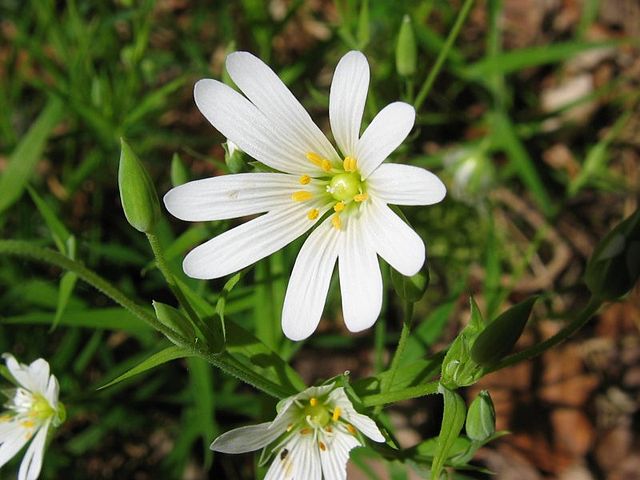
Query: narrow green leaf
[[362, 34], [453, 417], [202, 393], [58, 231], [25, 156], [67, 284], [163, 356]]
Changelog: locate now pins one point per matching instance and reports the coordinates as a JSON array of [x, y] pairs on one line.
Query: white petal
[[32, 461], [20, 372], [363, 424], [51, 393], [230, 196], [39, 372], [242, 123], [309, 282], [405, 185], [13, 442], [267, 92], [246, 244], [360, 279], [246, 439], [334, 459], [385, 133], [347, 97], [393, 239], [297, 459]]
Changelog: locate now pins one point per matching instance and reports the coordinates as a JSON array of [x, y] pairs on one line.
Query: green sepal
[[137, 192], [234, 158], [499, 337], [614, 266], [411, 289]]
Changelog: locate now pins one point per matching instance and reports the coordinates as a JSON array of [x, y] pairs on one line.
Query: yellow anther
[[305, 431], [289, 427], [305, 179], [313, 401], [351, 428], [336, 414], [322, 446], [338, 207], [319, 161], [361, 197], [336, 222], [350, 164], [313, 214], [328, 429], [301, 196]]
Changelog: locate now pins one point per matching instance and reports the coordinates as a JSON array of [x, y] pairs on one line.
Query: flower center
[[345, 186], [317, 414], [341, 186]]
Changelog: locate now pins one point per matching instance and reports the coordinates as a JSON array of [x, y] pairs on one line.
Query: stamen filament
[[301, 196]]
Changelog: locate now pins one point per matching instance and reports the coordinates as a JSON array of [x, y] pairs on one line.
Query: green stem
[[575, 325], [397, 356], [380, 399], [453, 34], [163, 266], [225, 361]]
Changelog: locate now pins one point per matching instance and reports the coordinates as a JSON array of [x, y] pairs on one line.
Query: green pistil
[[344, 186]]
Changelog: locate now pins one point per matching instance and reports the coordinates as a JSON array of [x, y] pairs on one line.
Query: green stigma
[[317, 414]]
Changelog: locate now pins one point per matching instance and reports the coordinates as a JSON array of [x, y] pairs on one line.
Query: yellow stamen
[[301, 196], [328, 429], [27, 424], [313, 401], [322, 446], [350, 164], [351, 428], [305, 431], [305, 179], [319, 161], [336, 222], [313, 214], [338, 207], [336, 414], [289, 427], [361, 197]]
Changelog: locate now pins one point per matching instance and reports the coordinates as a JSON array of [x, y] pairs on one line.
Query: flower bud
[[233, 157], [499, 337], [410, 289], [137, 193], [179, 172], [481, 418], [174, 320], [406, 52], [614, 266]]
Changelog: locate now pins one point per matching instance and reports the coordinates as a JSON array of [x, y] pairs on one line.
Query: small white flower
[[310, 438], [346, 194], [31, 409]]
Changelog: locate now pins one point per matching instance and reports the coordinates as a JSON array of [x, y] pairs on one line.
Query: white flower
[[311, 436], [32, 408], [346, 194]]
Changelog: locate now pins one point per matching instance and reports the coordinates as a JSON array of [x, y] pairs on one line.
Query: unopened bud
[[481, 418], [406, 52], [137, 192], [614, 266], [499, 337], [174, 319], [233, 157]]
